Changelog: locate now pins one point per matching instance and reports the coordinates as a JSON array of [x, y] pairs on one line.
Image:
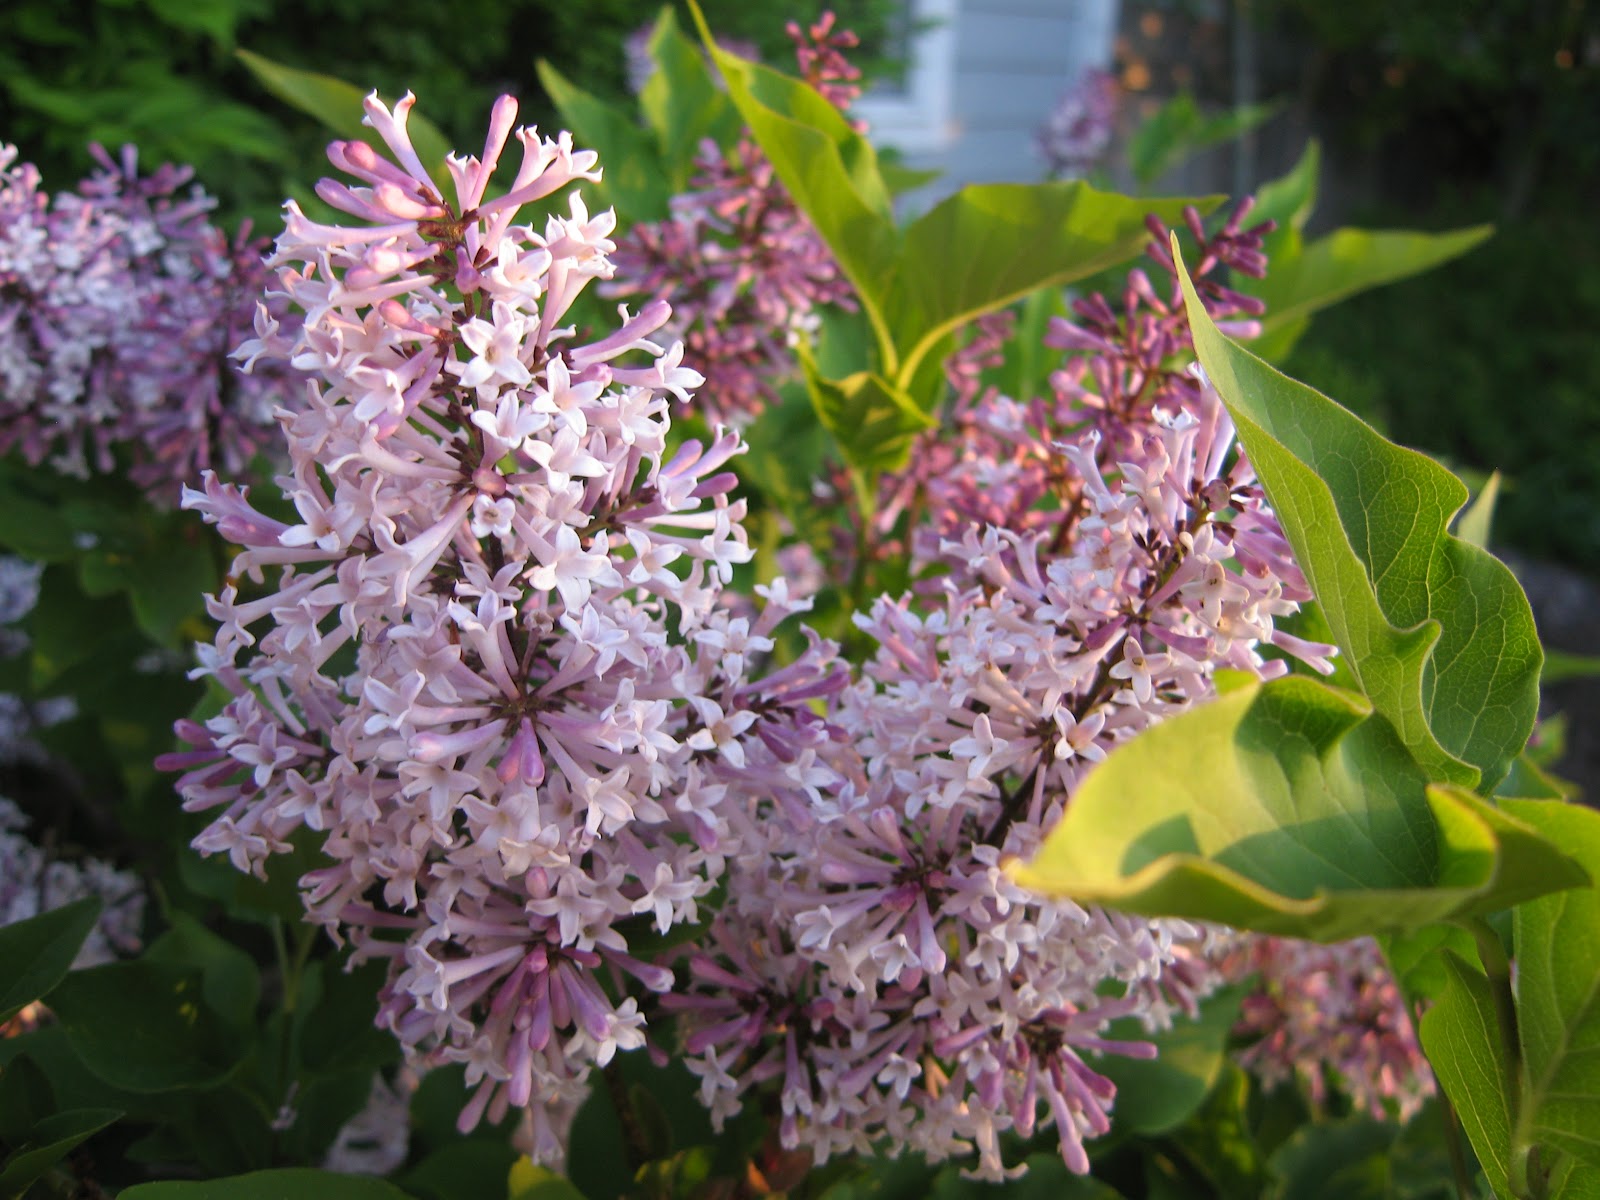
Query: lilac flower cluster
[[119, 305], [1097, 556], [743, 268], [493, 669], [33, 881], [1330, 1010], [488, 667], [1074, 137]]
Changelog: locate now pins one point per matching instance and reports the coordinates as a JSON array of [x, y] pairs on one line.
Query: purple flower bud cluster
[[1075, 135], [119, 305], [1322, 1011], [743, 268]]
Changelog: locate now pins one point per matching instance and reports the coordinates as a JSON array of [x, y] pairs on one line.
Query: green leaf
[[682, 103], [530, 1181], [215, 18], [1347, 261], [1289, 808], [873, 423], [338, 105], [36, 954], [1178, 129], [51, 1140], [1437, 631], [1346, 1160], [635, 179], [1560, 667], [1473, 525], [1460, 1034], [293, 1183], [1557, 942], [990, 244], [900, 179], [1158, 1094], [145, 1026], [1218, 1141], [231, 981], [1290, 199], [467, 1169], [830, 170]]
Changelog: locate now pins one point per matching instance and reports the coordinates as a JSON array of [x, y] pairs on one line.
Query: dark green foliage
[[162, 74], [1516, 389]]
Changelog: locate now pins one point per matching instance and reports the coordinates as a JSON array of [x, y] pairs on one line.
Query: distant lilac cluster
[[744, 269], [1074, 137], [34, 881], [1331, 1013], [119, 306]]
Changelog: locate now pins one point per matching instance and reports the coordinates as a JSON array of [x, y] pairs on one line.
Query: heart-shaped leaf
[[1290, 808], [1438, 632]]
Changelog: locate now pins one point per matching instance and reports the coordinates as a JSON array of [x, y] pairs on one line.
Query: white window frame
[[919, 120]]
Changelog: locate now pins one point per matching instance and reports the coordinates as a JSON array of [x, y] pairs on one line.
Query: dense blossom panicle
[[486, 659], [1075, 136], [1330, 1016], [119, 305], [742, 266]]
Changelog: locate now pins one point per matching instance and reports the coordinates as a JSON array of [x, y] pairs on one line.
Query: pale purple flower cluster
[[488, 666], [1331, 1010], [34, 881], [119, 305], [1074, 137], [743, 267], [493, 669]]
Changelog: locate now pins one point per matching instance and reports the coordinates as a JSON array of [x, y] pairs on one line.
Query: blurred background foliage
[[162, 73], [1434, 114]]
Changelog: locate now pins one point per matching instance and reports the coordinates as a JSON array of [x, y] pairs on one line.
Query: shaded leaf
[[1557, 940], [293, 1183], [36, 954], [1474, 523], [231, 981], [635, 179], [51, 1140], [1288, 808], [145, 1026], [873, 423], [1158, 1094], [1178, 130], [1346, 1160], [1437, 631], [682, 103], [1347, 261], [1460, 1035], [468, 1169], [338, 105]]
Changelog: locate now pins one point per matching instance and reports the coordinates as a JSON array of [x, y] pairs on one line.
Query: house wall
[[991, 70]]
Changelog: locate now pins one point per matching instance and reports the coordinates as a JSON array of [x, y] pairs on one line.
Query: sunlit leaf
[[1289, 808], [1438, 632], [291, 1183]]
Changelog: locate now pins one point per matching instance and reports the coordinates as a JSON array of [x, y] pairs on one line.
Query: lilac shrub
[[496, 672], [1076, 135], [119, 306]]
